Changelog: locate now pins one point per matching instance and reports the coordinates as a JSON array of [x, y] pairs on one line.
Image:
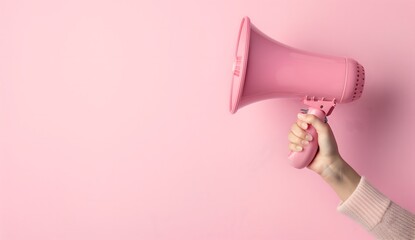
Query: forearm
[[341, 177], [379, 215]]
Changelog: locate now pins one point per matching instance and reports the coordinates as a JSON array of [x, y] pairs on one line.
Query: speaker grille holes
[[359, 84]]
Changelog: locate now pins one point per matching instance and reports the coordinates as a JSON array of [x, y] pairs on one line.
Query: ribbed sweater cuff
[[366, 205]]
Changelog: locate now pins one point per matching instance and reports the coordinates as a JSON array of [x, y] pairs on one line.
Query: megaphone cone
[[264, 68]]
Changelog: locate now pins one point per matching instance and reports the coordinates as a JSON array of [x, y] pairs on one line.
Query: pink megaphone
[[264, 68]]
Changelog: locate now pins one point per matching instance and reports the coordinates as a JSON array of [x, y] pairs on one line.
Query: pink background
[[114, 119]]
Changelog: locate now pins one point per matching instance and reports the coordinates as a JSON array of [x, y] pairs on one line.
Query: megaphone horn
[[264, 68]]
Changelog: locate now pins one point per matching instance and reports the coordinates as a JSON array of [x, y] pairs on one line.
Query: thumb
[[319, 125]]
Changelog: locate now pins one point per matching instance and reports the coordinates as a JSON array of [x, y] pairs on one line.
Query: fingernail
[[304, 126], [309, 137], [304, 142], [299, 148]]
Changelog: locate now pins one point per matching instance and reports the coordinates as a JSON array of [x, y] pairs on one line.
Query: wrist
[[334, 169], [341, 177]]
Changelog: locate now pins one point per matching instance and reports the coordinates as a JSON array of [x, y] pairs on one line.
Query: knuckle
[[293, 138], [289, 136], [291, 146], [294, 126], [301, 136], [301, 133], [312, 117]]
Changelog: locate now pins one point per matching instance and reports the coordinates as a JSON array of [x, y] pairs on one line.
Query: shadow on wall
[[377, 117]]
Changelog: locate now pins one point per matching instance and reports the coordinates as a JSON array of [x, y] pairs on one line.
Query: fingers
[[319, 125], [298, 137], [299, 130], [296, 143]]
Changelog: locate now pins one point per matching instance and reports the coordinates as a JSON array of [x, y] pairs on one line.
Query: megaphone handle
[[304, 158]]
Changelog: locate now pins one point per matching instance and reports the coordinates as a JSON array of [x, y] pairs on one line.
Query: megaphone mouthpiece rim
[[240, 64]]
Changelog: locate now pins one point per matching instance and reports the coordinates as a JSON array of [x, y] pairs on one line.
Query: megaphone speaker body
[[264, 68]]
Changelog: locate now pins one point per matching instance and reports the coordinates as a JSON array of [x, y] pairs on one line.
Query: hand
[[327, 163], [328, 151]]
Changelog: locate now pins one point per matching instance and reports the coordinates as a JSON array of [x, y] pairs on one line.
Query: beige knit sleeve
[[382, 217]]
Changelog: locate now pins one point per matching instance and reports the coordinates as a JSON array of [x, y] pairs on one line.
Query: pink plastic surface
[[240, 64], [264, 68]]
